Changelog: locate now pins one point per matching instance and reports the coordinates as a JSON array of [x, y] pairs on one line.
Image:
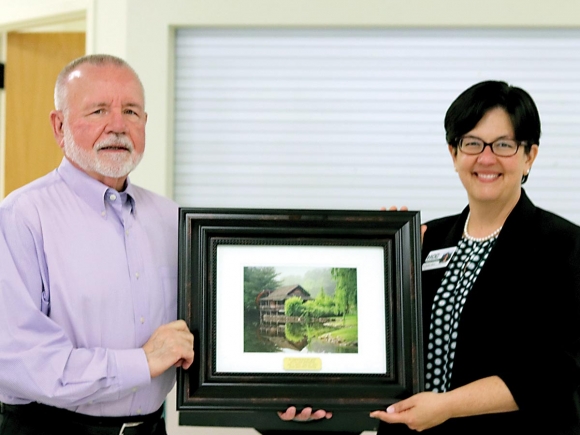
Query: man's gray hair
[[60, 88]]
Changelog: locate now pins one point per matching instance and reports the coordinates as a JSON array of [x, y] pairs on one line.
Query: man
[[88, 273]]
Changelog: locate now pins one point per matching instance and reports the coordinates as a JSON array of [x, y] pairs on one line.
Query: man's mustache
[[116, 141]]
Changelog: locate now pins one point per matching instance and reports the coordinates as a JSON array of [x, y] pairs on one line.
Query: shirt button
[[103, 213], [142, 319], [134, 390], [137, 275], [113, 197], [139, 411], [126, 232]]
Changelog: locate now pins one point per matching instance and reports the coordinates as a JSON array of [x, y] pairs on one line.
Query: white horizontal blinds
[[353, 119]]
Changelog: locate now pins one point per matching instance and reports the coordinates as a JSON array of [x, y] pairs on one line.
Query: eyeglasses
[[501, 147]]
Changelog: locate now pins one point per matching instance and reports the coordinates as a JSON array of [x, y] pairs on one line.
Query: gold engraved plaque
[[302, 364]]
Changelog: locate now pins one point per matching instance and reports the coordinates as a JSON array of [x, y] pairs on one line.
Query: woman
[[502, 319]]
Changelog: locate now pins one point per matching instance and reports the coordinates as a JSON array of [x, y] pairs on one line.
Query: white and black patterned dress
[[449, 300]]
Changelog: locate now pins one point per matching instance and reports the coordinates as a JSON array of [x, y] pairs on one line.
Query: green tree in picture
[[346, 290], [323, 305], [294, 306], [257, 279]]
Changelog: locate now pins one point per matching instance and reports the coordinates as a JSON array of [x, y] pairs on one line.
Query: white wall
[[18, 14], [141, 31]]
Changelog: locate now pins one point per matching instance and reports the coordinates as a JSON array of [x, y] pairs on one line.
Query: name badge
[[438, 258]]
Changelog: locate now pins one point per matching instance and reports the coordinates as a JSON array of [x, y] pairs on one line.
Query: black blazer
[[521, 322]]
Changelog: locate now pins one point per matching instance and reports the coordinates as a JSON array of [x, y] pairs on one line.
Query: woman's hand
[[305, 415], [419, 412], [425, 410], [395, 208], [405, 208]]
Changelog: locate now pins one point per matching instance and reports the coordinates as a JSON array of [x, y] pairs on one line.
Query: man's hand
[[170, 345], [305, 415]]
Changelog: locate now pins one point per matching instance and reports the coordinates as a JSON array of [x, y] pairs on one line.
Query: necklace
[[478, 239]]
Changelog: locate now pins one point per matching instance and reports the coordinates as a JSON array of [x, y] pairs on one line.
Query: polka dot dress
[[449, 300]]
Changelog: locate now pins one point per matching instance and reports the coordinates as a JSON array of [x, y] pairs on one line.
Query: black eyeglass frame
[[519, 143]]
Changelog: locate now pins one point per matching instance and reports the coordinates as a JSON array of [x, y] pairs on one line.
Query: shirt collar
[[129, 192], [88, 189]]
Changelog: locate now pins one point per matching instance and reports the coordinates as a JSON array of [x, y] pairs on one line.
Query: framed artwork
[[316, 308]]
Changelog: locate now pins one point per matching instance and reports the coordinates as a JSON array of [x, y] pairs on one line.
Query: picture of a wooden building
[[271, 302]]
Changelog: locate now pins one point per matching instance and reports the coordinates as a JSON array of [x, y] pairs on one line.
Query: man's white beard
[[113, 165]]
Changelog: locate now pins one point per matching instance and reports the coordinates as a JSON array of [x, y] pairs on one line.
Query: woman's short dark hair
[[472, 104]]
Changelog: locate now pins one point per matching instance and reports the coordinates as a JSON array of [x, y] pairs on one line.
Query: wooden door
[[33, 61]]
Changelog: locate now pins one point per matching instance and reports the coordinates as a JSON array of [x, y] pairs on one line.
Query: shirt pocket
[[169, 283]]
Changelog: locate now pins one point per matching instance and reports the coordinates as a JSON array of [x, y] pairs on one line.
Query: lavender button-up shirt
[[86, 275]]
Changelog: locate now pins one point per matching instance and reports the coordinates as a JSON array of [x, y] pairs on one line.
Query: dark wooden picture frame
[[209, 396]]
